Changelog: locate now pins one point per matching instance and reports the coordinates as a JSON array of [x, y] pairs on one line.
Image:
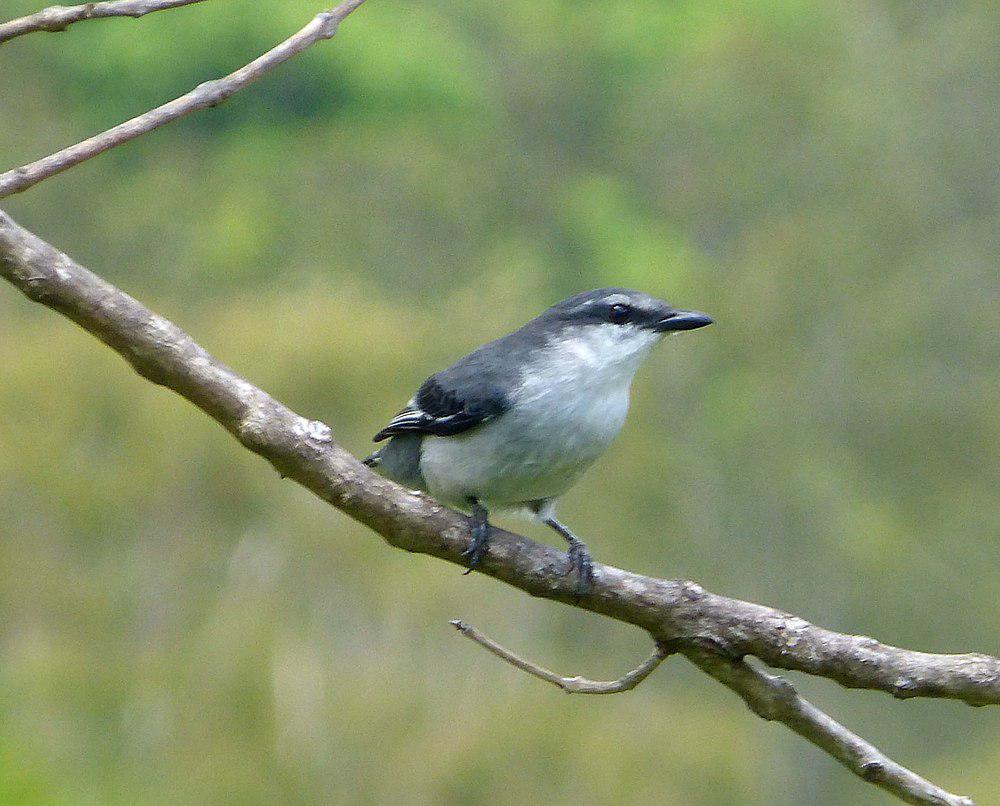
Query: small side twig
[[571, 685], [775, 699], [59, 18]]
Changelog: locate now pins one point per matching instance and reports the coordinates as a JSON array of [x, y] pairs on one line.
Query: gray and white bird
[[514, 424]]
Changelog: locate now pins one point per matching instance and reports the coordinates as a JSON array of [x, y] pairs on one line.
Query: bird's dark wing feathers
[[470, 392], [439, 410]]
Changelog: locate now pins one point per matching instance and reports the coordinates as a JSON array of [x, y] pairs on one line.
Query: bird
[[515, 423]]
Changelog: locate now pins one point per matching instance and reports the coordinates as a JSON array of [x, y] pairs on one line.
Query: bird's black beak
[[682, 320]]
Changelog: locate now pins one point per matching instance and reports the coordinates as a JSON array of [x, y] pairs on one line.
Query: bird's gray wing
[[439, 409]]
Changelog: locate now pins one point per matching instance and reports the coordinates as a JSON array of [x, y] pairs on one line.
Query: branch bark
[[207, 94], [59, 18], [676, 613]]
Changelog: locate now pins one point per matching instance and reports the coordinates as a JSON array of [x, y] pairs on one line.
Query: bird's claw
[[478, 545], [578, 557]]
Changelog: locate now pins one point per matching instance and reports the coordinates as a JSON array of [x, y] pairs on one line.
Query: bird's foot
[[579, 560], [479, 543]]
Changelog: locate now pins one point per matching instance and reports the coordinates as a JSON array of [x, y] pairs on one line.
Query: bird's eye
[[619, 314]]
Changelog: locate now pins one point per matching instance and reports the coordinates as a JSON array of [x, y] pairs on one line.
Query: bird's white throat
[[592, 357]]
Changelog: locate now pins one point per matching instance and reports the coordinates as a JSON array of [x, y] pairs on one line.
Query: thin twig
[[304, 450], [571, 685], [208, 94], [774, 698], [59, 18]]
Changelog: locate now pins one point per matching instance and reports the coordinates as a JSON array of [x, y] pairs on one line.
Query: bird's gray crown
[[620, 306]]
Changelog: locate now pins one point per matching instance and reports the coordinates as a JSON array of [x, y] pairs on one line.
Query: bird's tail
[[373, 459]]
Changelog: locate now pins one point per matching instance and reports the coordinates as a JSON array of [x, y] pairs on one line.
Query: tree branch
[[774, 698], [208, 94], [571, 685], [677, 613], [59, 18]]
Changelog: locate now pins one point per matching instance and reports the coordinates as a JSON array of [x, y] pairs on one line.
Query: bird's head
[[617, 324]]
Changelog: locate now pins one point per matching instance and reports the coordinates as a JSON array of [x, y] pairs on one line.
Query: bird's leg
[[579, 557], [480, 535]]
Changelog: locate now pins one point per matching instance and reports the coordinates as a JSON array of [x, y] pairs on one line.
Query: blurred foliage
[[180, 626]]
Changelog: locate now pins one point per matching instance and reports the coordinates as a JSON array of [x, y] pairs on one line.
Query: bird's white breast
[[570, 404]]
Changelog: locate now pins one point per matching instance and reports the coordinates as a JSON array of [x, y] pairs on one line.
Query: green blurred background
[[178, 625]]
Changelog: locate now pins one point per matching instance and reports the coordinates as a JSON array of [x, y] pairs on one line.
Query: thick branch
[[211, 93], [59, 18], [571, 685], [774, 698], [303, 450], [675, 612]]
